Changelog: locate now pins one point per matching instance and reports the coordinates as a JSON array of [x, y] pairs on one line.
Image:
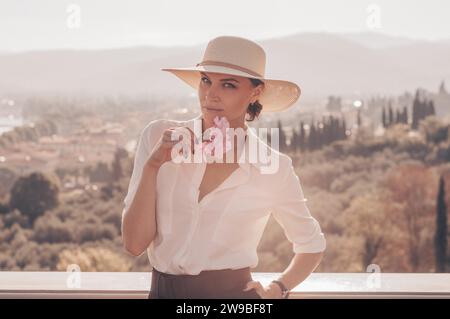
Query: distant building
[[334, 104], [11, 115], [441, 101]]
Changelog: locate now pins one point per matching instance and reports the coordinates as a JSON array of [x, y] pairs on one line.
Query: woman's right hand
[[162, 151]]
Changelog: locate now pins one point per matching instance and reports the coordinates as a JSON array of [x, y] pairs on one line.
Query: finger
[[171, 135], [174, 135], [169, 140], [189, 137], [176, 132], [168, 145], [253, 285]]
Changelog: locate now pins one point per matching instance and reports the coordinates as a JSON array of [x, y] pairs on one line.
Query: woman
[[202, 221]]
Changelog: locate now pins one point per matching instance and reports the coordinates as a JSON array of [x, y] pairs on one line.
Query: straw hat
[[241, 57]]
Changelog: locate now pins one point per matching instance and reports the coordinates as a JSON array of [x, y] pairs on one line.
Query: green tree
[[117, 169], [7, 178], [33, 194], [440, 236], [434, 129], [282, 137], [383, 118], [100, 173]]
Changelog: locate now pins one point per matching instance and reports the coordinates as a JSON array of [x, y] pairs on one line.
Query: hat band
[[230, 65]]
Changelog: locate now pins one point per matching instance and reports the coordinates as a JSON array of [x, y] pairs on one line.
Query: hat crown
[[237, 51]]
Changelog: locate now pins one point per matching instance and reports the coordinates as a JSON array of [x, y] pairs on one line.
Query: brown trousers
[[208, 284]]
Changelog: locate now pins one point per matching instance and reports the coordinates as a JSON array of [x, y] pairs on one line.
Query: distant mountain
[[321, 63], [376, 40]]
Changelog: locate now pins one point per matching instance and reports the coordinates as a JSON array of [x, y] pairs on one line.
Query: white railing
[[137, 285]]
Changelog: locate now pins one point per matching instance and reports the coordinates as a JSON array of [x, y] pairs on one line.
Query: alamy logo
[[74, 278], [373, 20], [221, 148], [74, 16], [373, 280]]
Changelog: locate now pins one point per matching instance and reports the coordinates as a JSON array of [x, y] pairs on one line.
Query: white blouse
[[223, 230]]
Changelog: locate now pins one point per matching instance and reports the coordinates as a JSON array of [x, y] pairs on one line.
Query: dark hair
[[254, 109]]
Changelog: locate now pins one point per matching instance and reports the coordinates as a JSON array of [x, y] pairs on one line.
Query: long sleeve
[[292, 213], [147, 140]]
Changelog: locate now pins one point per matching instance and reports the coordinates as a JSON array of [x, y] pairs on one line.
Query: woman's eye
[[230, 85], [206, 80]]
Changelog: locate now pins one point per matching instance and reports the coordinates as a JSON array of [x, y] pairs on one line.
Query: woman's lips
[[213, 109]]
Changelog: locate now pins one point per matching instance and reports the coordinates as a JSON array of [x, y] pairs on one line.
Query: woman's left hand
[[273, 291]]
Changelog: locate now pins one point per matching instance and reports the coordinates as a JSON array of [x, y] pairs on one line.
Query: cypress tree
[[415, 111], [431, 106], [405, 115], [358, 118], [391, 115], [344, 128], [312, 143], [282, 137], [302, 136], [294, 141], [440, 238]]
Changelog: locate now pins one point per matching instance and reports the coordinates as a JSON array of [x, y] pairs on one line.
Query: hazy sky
[[88, 24]]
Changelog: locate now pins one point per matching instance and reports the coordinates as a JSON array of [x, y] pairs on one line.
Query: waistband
[[207, 273], [221, 283]]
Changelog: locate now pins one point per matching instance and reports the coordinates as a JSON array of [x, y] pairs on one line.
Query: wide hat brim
[[278, 95]]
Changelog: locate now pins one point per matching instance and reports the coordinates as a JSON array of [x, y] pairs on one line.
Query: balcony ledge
[[136, 285]]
